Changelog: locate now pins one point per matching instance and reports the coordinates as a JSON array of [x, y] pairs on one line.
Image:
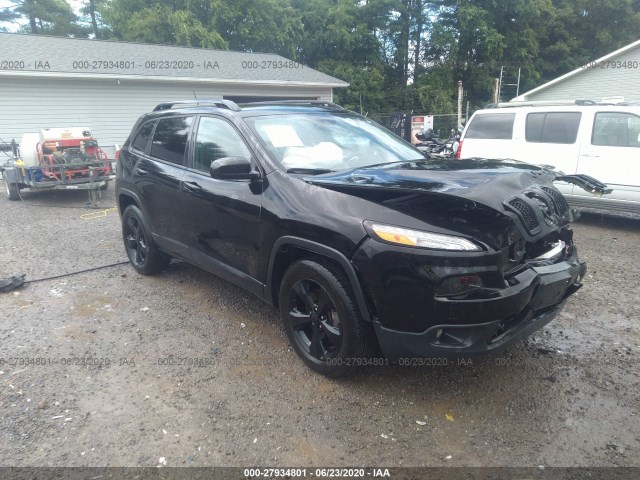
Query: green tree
[[366, 91], [51, 17], [168, 23], [268, 25], [91, 9], [272, 26], [476, 38], [335, 30], [581, 31]]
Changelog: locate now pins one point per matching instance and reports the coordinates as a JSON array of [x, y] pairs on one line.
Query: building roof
[[40, 55], [577, 71]]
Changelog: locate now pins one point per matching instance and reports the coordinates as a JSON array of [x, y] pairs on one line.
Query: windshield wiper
[[309, 171]]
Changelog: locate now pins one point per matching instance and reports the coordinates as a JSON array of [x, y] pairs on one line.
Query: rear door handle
[[141, 171]]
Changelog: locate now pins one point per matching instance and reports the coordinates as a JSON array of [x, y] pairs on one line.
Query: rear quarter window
[[491, 126], [552, 127], [142, 137]]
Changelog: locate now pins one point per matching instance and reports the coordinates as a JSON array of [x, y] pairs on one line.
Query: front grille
[[560, 203], [526, 214]]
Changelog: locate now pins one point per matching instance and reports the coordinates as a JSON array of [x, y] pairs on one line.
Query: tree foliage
[[50, 17], [396, 54]]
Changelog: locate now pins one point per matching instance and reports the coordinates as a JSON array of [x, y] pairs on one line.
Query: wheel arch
[[288, 249], [126, 198]]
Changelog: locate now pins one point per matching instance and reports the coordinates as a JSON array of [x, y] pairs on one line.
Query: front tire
[[12, 190], [321, 319], [143, 253]]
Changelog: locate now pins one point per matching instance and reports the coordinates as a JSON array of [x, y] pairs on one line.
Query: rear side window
[[491, 126], [552, 127], [616, 130], [170, 139], [142, 138]]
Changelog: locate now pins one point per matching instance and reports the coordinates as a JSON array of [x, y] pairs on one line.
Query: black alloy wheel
[[322, 320], [141, 250], [314, 319]]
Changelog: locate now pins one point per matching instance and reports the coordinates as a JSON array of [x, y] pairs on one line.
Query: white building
[[614, 77], [50, 82]]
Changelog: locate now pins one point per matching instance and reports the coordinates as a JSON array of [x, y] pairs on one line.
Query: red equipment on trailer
[[57, 158]]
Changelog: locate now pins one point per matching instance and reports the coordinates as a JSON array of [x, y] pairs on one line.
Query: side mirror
[[233, 168]]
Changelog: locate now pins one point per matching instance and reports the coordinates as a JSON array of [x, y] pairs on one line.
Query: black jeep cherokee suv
[[355, 236]]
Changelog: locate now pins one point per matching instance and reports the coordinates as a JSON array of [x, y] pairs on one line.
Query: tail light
[[459, 150]]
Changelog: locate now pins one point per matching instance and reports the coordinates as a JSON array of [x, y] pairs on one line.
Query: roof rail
[[323, 103], [543, 103], [228, 104]]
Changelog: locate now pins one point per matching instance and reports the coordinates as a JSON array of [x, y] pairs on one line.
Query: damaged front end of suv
[[348, 230], [462, 257]]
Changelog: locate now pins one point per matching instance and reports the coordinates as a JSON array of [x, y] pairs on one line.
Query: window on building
[[491, 126], [552, 127], [616, 129], [216, 139], [170, 139]]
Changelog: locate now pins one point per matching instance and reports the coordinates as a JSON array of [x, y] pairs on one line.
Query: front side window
[[498, 126], [616, 129], [217, 139], [552, 127], [170, 139]]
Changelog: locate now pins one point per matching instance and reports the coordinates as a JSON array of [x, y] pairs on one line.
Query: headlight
[[417, 238]]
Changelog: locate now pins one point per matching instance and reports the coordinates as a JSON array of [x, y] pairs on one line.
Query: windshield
[[327, 142]]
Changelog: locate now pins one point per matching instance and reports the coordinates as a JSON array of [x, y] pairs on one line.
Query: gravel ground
[[108, 380]]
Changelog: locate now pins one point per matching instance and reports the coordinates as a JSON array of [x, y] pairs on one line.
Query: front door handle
[[193, 187], [590, 155]]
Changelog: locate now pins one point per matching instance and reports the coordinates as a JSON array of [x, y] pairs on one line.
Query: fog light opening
[[451, 337], [459, 285]]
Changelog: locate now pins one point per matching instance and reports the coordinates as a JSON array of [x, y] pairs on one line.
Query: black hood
[[520, 191], [489, 182]]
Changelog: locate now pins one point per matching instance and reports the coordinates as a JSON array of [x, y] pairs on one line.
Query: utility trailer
[[55, 159]]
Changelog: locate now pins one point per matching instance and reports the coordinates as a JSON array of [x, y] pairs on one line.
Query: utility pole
[[460, 91]]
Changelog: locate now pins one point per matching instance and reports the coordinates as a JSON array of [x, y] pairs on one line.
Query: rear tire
[[105, 186], [322, 320], [142, 251], [12, 190]]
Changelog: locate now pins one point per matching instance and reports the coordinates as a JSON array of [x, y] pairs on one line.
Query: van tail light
[[459, 150]]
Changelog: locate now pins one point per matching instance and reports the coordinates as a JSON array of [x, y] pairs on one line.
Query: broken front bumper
[[533, 298]]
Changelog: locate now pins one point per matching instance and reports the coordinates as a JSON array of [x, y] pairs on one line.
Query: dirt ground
[[110, 368]]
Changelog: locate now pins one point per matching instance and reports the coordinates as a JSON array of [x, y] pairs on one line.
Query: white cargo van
[[599, 140]]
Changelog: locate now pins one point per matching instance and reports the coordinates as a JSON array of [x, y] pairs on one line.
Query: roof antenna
[[194, 95]]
